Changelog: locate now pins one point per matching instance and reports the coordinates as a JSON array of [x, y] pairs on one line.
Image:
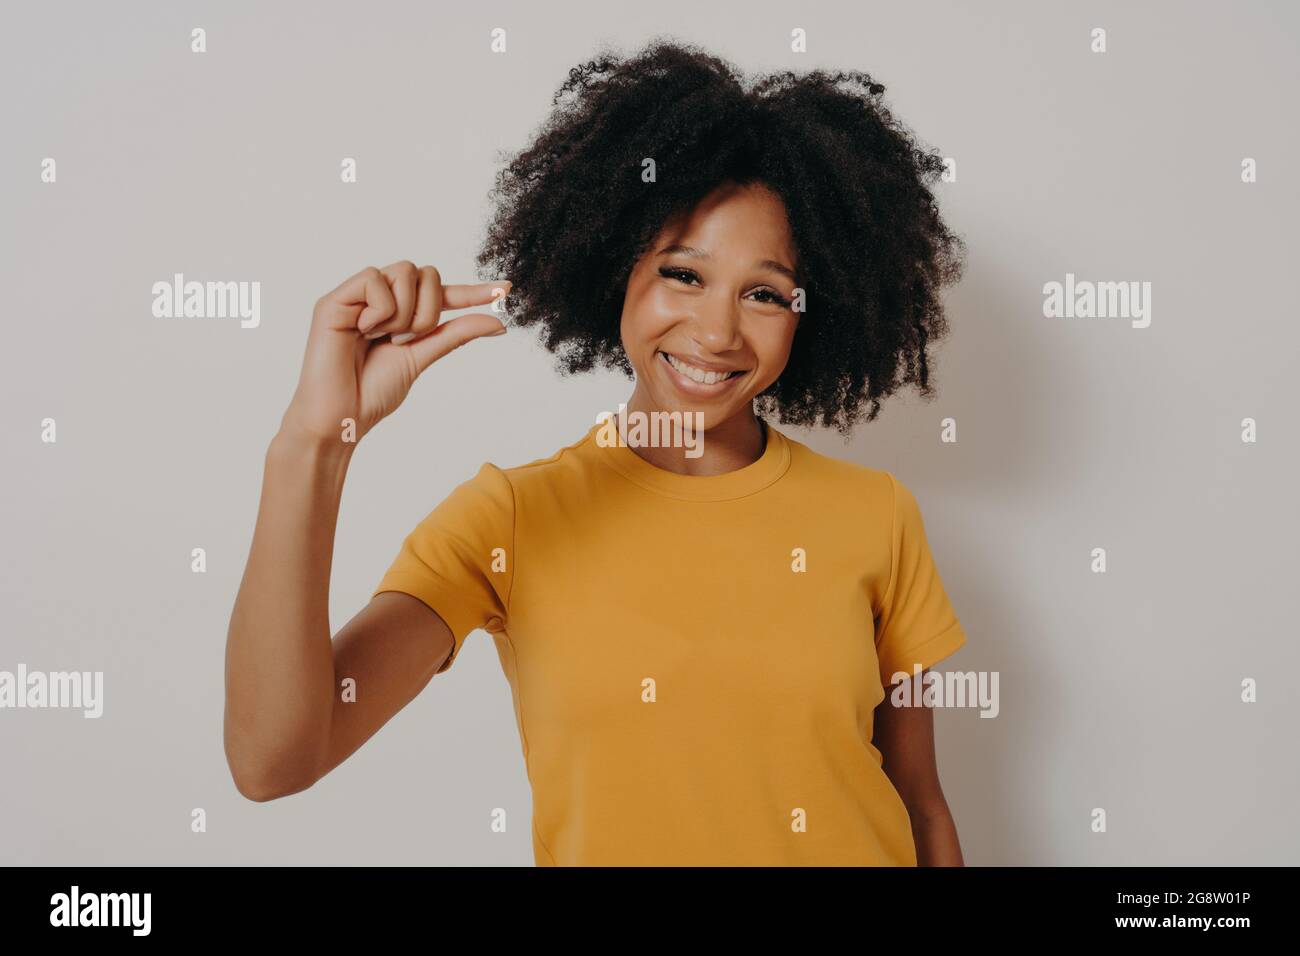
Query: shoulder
[[874, 487], [875, 495], [550, 472], [489, 502]]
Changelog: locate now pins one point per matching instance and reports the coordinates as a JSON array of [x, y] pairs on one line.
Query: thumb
[[452, 334]]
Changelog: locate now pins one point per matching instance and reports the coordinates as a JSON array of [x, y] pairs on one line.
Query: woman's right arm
[[286, 724]]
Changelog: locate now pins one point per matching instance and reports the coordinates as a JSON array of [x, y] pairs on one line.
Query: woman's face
[[707, 319]]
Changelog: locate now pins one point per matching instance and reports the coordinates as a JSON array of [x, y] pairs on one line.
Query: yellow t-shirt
[[694, 660]]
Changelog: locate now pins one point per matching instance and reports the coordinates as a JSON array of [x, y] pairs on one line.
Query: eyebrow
[[701, 254]]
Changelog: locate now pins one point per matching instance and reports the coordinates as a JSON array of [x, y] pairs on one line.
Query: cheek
[[648, 313], [773, 345]]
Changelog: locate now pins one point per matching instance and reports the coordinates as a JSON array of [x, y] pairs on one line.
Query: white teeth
[[696, 374]]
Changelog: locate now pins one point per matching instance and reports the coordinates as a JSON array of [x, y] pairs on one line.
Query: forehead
[[749, 219]]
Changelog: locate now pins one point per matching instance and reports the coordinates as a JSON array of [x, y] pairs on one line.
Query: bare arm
[[905, 738], [286, 724]]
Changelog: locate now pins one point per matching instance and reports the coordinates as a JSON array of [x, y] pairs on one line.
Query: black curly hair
[[573, 215]]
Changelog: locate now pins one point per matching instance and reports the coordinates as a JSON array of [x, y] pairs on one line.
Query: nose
[[716, 325]]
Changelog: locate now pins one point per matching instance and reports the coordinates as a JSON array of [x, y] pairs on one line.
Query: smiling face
[[707, 320]]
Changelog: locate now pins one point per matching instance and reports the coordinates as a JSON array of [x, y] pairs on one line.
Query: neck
[[728, 446]]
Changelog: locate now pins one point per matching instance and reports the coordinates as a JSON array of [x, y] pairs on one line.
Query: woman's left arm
[[905, 738]]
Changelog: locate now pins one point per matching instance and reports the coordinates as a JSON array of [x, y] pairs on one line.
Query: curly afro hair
[[573, 215]]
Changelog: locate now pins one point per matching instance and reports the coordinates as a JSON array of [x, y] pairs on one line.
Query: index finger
[[464, 296]]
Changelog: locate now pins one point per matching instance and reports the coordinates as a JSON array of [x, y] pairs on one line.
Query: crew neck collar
[[757, 475]]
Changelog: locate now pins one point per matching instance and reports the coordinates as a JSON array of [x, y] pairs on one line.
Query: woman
[[698, 639]]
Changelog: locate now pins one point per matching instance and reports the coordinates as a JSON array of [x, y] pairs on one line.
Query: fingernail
[[375, 335], [500, 331], [402, 338]]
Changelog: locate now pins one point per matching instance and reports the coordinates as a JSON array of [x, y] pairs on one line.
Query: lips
[[701, 375]]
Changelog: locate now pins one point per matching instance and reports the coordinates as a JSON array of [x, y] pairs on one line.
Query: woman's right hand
[[351, 372]]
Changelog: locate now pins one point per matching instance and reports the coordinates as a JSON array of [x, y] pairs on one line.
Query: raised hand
[[371, 338]]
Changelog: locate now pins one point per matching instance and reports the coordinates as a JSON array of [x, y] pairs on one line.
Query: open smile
[[695, 380]]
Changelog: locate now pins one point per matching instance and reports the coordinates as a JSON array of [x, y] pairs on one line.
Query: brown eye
[[773, 297], [683, 275]]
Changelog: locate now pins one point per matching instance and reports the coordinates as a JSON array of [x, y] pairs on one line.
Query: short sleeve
[[459, 560], [917, 626]]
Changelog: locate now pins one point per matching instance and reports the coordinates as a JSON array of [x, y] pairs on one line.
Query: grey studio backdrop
[[1120, 691]]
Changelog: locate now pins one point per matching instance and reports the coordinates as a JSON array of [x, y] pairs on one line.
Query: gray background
[[1118, 691]]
